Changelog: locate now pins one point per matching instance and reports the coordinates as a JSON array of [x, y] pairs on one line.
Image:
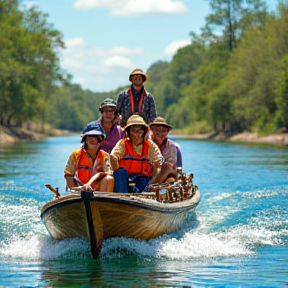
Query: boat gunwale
[[127, 200]]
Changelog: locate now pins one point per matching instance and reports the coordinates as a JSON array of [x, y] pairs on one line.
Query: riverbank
[[13, 135], [244, 137]]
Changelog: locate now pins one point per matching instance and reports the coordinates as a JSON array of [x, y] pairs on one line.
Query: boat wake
[[219, 230]]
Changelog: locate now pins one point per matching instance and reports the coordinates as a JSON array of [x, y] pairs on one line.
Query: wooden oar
[[55, 191]]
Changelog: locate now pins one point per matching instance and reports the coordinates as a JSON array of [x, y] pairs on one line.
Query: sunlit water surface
[[237, 237]]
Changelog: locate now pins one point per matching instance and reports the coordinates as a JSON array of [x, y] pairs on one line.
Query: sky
[[106, 39]]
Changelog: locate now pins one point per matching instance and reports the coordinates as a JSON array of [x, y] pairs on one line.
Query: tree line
[[232, 77]]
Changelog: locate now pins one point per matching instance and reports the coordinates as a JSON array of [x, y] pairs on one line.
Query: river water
[[238, 236]]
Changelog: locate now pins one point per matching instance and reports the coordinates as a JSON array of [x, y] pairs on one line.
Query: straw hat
[[160, 121], [135, 120], [138, 72]]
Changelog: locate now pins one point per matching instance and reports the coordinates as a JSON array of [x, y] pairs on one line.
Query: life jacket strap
[[85, 167]]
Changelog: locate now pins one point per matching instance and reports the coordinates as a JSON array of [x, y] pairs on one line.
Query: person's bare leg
[[107, 184], [166, 170], [102, 182]]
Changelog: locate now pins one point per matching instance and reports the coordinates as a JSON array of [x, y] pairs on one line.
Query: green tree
[[204, 98], [230, 19], [255, 74], [29, 66], [46, 65], [281, 116]]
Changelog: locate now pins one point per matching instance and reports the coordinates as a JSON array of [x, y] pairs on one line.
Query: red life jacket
[[140, 102], [85, 167], [135, 163]]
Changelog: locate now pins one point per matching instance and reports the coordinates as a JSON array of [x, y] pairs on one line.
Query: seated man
[[137, 154], [88, 168], [109, 123], [169, 149]]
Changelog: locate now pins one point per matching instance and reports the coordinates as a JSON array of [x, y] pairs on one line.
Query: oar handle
[[54, 190]]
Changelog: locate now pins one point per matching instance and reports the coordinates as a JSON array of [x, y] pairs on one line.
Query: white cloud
[[95, 67], [174, 46], [77, 51], [124, 51], [118, 62], [71, 63], [134, 7], [102, 69], [75, 42]]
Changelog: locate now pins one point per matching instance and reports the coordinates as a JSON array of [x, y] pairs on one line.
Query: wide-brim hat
[[138, 72], [135, 120], [161, 122]]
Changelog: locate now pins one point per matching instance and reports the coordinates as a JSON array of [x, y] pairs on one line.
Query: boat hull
[[99, 215]]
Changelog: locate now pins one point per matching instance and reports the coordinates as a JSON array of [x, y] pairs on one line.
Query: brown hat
[[160, 121], [135, 120], [138, 72]]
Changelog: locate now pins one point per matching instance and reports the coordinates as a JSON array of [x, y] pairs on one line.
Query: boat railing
[[179, 190], [176, 191]]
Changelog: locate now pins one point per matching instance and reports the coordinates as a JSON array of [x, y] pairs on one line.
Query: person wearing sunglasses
[[88, 168], [169, 149], [109, 123]]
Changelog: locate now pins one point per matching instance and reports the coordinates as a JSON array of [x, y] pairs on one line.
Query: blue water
[[238, 236]]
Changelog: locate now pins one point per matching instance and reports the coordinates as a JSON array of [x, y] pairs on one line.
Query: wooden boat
[[101, 215]]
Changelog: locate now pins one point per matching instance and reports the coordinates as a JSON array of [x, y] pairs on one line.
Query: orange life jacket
[[135, 163], [85, 167], [140, 102]]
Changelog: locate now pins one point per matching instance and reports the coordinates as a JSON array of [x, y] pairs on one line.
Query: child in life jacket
[[88, 168]]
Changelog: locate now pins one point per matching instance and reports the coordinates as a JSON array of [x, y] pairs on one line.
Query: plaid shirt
[[148, 109]]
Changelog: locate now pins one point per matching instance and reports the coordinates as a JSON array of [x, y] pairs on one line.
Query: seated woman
[[137, 154], [88, 168], [169, 149]]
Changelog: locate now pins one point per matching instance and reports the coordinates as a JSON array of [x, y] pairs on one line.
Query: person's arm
[[156, 160], [70, 169], [170, 154], [117, 152], [70, 181], [119, 107], [152, 109], [179, 156]]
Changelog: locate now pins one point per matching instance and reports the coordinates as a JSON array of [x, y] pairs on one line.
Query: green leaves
[[29, 65]]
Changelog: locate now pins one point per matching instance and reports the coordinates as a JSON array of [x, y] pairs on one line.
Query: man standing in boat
[[169, 149], [140, 156], [108, 121], [88, 168], [136, 99]]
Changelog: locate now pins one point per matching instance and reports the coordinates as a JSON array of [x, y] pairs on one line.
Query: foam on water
[[44, 248], [226, 225]]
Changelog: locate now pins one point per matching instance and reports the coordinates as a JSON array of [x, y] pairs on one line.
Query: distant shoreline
[[13, 135], [244, 137]]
